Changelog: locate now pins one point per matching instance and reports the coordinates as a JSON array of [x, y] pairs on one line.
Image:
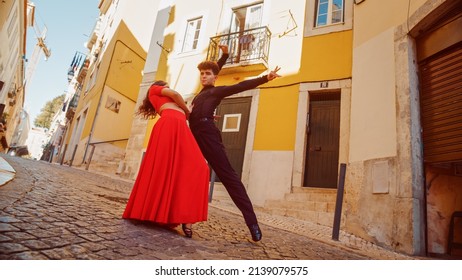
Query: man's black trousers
[[208, 138]]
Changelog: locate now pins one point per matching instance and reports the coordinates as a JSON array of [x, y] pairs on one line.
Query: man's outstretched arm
[[224, 56], [224, 91]]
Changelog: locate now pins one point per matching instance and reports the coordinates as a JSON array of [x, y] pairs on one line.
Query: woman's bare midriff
[[170, 105]]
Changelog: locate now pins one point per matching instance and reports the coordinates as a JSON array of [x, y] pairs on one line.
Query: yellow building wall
[[90, 116], [111, 125], [120, 70], [324, 57], [125, 72], [277, 119], [327, 57], [123, 80]]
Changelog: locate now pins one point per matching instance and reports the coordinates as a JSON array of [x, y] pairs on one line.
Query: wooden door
[[321, 165], [233, 123]]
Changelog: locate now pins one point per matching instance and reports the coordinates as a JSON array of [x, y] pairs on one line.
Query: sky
[[69, 24]]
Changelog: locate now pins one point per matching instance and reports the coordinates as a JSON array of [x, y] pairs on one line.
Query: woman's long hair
[[146, 110]]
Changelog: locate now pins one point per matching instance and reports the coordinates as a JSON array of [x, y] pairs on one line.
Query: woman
[[172, 184]]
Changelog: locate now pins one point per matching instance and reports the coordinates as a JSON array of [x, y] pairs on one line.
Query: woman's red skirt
[[173, 179]]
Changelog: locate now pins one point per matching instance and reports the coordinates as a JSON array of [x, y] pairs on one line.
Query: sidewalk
[[222, 201]]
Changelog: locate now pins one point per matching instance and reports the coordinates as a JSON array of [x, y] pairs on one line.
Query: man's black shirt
[[205, 103]]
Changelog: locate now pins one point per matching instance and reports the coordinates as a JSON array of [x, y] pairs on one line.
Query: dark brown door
[[321, 168], [233, 121]]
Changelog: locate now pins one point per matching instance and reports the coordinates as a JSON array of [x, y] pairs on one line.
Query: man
[[208, 136]]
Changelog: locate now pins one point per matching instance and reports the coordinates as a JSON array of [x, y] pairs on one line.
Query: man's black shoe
[[255, 232]]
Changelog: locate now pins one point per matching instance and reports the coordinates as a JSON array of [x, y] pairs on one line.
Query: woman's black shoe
[[187, 231]]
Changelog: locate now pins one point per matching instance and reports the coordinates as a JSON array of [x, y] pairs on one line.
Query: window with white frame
[[231, 123], [329, 12], [327, 16], [191, 37]]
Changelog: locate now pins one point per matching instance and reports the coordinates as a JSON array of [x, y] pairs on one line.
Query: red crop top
[[156, 97]]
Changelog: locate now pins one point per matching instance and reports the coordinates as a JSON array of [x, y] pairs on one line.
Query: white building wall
[[139, 18], [37, 138]]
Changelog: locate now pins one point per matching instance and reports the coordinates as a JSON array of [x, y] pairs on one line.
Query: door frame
[[344, 86]]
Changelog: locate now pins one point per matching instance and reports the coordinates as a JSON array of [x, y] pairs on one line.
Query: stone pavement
[[311, 230], [56, 212]]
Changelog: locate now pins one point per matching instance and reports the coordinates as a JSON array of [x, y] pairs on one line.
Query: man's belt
[[205, 119]]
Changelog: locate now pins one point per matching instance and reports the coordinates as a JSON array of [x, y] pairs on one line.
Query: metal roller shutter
[[441, 105]]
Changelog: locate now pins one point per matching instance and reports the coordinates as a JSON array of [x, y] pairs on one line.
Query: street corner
[[7, 173]]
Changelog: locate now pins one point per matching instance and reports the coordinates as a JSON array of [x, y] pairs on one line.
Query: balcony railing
[[245, 47]]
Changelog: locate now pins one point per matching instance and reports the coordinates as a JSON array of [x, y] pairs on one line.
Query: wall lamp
[[357, 2]]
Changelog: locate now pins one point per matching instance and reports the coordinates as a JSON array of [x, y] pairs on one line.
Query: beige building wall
[[14, 20], [373, 118], [373, 111], [384, 198]]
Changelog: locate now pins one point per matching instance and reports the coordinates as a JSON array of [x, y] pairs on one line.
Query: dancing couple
[[172, 184]]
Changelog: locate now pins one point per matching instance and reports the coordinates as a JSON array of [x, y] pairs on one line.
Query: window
[[246, 42], [327, 16], [191, 37], [329, 12], [231, 123], [247, 17]]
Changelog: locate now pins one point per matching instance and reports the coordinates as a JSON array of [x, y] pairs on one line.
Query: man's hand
[[273, 74], [223, 48]]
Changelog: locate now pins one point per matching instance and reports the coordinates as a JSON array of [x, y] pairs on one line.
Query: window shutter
[[441, 105]]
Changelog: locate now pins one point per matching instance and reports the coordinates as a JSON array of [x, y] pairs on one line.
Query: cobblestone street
[[56, 212]]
